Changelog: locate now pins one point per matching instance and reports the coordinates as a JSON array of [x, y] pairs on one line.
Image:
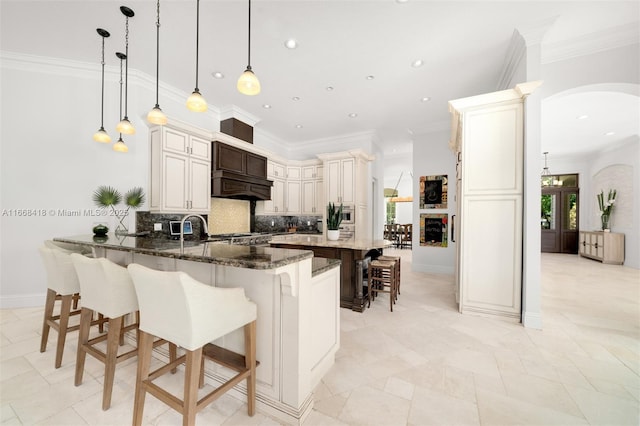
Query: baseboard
[[22, 301], [532, 320]]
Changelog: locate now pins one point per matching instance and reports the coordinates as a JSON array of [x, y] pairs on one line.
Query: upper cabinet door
[[200, 148], [175, 141]]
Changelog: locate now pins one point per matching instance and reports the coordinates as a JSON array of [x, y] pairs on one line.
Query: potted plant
[[606, 207], [106, 196], [334, 219]]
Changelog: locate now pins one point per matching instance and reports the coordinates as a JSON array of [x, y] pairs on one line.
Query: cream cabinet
[[180, 170], [607, 247], [276, 170], [340, 180], [276, 205], [293, 202], [312, 172], [347, 180], [312, 197], [488, 141]]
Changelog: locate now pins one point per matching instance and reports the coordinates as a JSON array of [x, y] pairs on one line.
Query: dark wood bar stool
[[382, 279], [396, 260], [190, 314]]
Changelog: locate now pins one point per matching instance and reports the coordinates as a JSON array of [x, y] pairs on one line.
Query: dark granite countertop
[[322, 241], [251, 257], [322, 264]]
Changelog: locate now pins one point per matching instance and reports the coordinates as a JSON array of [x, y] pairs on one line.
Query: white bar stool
[[175, 307], [106, 288], [62, 285]]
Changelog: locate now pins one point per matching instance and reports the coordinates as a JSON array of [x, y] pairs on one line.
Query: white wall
[[431, 156], [51, 164]]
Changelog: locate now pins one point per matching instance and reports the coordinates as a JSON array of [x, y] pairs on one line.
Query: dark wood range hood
[[239, 174]]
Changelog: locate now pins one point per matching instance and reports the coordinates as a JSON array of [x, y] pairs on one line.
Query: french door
[[559, 220]]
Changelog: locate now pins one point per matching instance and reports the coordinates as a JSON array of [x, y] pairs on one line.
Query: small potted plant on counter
[[106, 196], [334, 218]]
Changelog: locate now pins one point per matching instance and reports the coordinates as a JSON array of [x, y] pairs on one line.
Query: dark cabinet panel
[[237, 173]]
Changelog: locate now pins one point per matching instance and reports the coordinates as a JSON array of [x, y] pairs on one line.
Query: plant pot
[[333, 234]]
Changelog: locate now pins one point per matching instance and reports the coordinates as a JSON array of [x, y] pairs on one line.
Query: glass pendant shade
[[120, 146], [101, 136], [156, 116], [125, 127], [248, 83], [196, 102]]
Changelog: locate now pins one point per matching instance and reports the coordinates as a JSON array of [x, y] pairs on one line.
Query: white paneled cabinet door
[[200, 197], [180, 171], [175, 185], [341, 181], [489, 140], [308, 197], [276, 203], [293, 197]]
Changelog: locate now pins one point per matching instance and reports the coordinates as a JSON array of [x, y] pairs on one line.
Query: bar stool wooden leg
[[83, 337], [48, 313], [250, 363], [113, 341], [65, 309], [191, 382], [145, 347]]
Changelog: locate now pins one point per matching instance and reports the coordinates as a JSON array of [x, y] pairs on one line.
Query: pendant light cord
[[121, 93], [126, 75], [197, 39], [157, 52], [102, 104], [249, 41]]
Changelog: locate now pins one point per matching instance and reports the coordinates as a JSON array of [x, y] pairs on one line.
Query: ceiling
[[463, 45]]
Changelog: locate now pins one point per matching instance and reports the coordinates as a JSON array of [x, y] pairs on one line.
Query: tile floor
[[423, 364]]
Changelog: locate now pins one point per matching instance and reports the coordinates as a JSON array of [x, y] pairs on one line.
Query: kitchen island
[[298, 325], [352, 254]]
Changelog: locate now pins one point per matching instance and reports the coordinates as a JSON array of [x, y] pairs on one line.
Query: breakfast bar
[[352, 254], [297, 294]]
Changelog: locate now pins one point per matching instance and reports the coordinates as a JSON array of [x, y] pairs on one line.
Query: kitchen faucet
[[182, 231]]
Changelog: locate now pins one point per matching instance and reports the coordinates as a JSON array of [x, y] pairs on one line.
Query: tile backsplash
[[229, 216], [145, 221]]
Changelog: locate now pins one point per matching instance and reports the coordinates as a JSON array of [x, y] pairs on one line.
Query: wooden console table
[[607, 247]]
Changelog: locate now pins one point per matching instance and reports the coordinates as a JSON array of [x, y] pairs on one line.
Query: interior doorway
[[559, 214]]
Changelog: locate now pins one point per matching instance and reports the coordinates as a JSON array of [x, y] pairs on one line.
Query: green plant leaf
[[334, 217], [106, 196], [134, 197]]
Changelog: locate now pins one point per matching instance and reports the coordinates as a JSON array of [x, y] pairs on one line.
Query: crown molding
[[232, 111], [599, 41], [78, 69], [515, 54]]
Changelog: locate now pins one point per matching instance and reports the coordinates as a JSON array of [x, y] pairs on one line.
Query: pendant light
[[125, 126], [156, 116], [248, 83], [101, 135], [196, 101], [120, 146]]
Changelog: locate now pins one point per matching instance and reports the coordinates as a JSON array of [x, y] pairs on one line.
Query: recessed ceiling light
[[370, 77], [266, 106], [291, 43], [353, 115], [298, 126], [582, 117], [401, 1], [329, 88], [217, 74], [417, 63], [425, 99], [295, 98], [610, 133]]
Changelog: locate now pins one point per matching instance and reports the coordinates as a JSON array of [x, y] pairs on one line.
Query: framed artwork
[[433, 192], [434, 229]]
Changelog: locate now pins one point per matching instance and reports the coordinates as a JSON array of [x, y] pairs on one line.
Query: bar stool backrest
[[61, 275], [177, 308], [105, 286]]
